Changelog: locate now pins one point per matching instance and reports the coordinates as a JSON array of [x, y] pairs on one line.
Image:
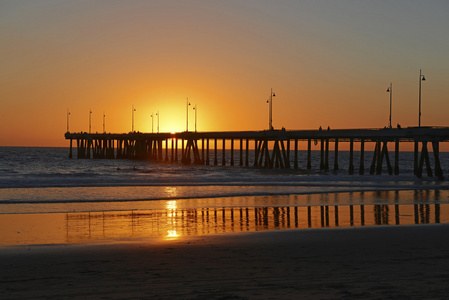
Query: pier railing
[[272, 148]]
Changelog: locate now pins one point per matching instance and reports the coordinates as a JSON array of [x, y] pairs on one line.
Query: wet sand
[[381, 262]]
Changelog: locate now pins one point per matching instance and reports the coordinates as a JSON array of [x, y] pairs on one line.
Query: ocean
[[44, 183]]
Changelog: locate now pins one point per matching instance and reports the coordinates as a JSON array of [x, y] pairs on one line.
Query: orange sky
[[329, 63]]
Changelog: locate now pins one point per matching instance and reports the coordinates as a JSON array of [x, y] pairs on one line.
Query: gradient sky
[[329, 63]]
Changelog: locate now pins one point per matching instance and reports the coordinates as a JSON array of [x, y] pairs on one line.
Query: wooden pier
[[272, 148]]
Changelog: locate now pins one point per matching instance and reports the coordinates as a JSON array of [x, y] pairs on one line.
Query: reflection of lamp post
[[152, 124], [157, 114], [270, 102], [390, 90], [90, 120], [421, 78], [187, 109], [132, 128], [104, 121], [196, 110], [68, 114]]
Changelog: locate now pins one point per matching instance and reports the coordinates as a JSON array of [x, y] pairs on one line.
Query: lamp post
[[196, 110], [152, 124], [90, 120], [132, 127], [68, 114], [187, 119], [270, 102], [157, 114], [421, 78], [104, 122], [390, 90]]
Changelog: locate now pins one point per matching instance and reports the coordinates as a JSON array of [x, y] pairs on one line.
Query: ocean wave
[[99, 194]]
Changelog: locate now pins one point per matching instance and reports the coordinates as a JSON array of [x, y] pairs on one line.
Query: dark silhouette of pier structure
[[272, 148]]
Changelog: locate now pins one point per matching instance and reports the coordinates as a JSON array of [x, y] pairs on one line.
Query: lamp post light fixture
[[196, 111], [152, 124], [187, 119], [90, 120], [270, 102], [68, 114], [132, 127], [421, 78], [104, 122], [390, 90], [157, 114]]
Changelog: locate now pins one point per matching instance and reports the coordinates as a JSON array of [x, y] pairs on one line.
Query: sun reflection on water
[[171, 208], [172, 234]]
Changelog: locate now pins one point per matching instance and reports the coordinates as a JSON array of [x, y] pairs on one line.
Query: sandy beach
[[384, 262]]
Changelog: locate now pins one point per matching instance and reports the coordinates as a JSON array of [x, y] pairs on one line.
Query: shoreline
[[363, 263]]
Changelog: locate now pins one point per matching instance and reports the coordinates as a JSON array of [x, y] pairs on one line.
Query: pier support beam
[[203, 144], [436, 155], [70, 153], [296, 154], [285, 153], [159, 152], [362, 157], [326, 156], [232, 152], [182, 152], [387, 158], [351, 156], [176, 150], [78, 148], [241, 153], [256, 152], [207, 152], [89, 145], [424, 158], [191, 147], [396, 157], [166, 151], [372, 168], [415, 159], [309, 154], [172, 150], [247, 153], [223, 154], [380, 152], [215, 153], [322, 155], [336, 155]]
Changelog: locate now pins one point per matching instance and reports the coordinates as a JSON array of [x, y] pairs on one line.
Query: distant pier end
[[272, 148]]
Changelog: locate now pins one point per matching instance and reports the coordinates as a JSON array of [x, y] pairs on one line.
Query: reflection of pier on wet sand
[[199, 217], [174, 223]]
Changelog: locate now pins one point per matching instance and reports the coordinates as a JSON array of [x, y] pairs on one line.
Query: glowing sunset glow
[[328, 62]]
